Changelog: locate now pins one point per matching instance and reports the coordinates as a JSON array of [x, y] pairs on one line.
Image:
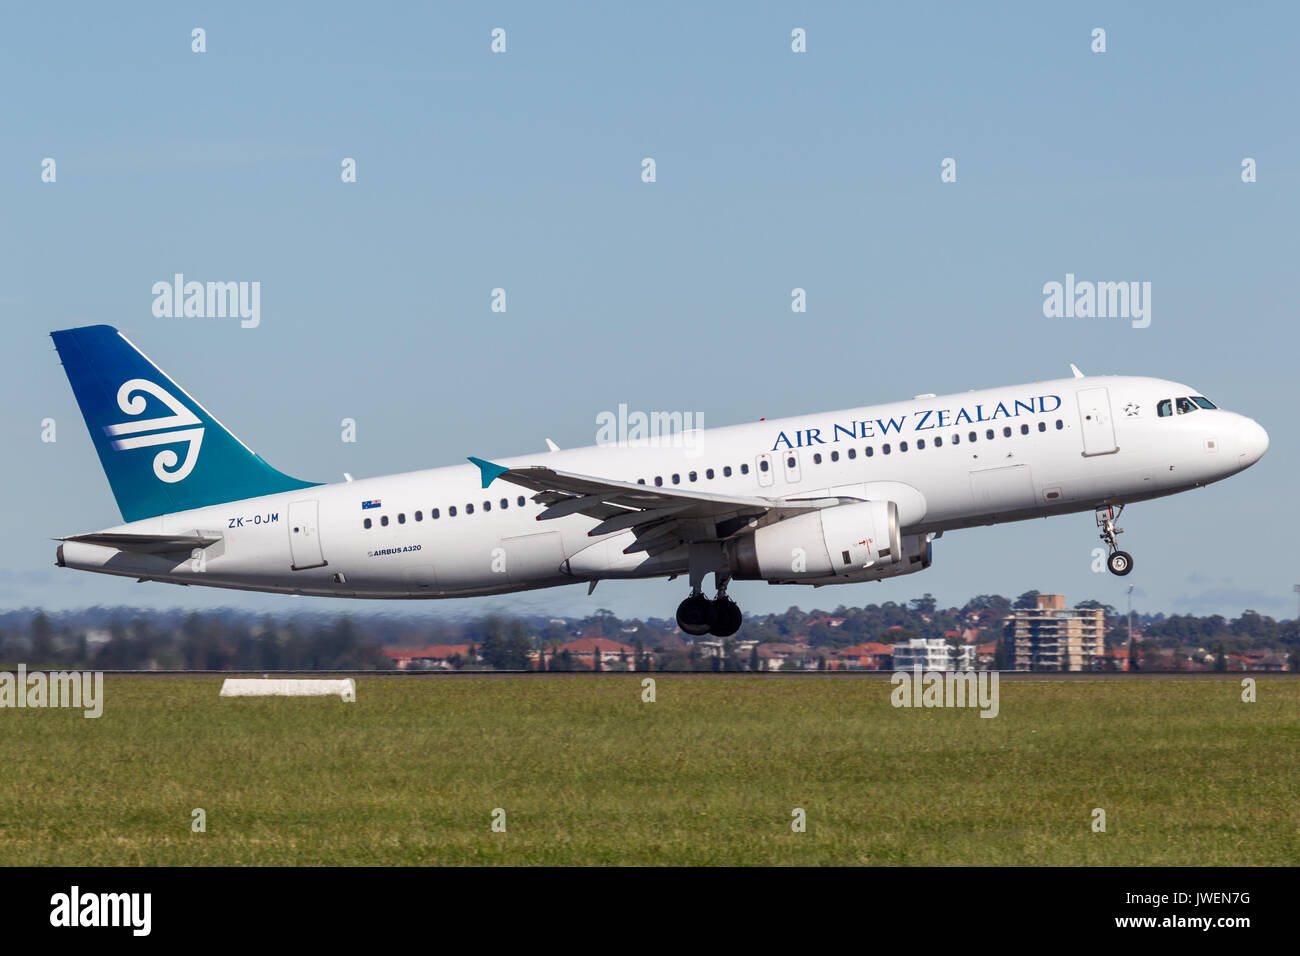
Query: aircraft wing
[[660, 518], [146, 543]]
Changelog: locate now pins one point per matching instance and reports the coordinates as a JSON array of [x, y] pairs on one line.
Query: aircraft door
[[1095, 422], [763, 468], [304, 536]]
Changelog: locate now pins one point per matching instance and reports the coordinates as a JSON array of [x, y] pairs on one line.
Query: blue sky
[[775, 170]]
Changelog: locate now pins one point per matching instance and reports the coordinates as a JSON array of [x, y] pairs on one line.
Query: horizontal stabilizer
[[146, 543]]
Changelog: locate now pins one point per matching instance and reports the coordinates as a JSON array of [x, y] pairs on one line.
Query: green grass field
[[708, 774]]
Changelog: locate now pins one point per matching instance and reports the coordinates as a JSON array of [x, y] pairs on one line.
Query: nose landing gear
[[1120, 562]]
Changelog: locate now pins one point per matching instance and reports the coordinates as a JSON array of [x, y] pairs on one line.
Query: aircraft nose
[[1253, 442]]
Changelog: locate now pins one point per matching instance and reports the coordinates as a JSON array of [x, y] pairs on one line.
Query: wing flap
[[660, 518]]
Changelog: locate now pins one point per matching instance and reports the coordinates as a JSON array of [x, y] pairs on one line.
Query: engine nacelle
[[917, 556], [836, 543]]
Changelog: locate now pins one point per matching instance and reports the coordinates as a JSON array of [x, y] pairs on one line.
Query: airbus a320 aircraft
[[833, 498]]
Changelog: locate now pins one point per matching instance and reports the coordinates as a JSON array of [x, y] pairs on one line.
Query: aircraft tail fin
[[161, 450]]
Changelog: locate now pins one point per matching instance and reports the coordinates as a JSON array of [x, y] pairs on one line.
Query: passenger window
[[902, 446], [762, 465], [693, 476], [853, 453], [884, 449], [971, 437], [677, 479], [956, 439], [868, 451], [401, 518], [726, 471], [434, 514], [1042, 426], [487, 506], [920, 444], [744, 469], [1164, 408], [817, 458], [384, 521], [789, 462], [835, 456], [1024, 429], [469, 509], [366, 523], [451, 512], [938, 442], [1059, 424], [708, 473], [1006, 431], [419, 516], [640, 481], [505, 503], [520, 501], [989, 434], [659, 481]]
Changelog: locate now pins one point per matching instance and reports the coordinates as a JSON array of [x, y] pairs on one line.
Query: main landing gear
[[699, 615], [1119, 562], [719, 616]]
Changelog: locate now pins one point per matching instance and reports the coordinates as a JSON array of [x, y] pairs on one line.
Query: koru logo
[[178, 424]]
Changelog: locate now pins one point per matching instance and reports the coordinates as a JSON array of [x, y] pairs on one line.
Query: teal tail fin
[[161, 450]]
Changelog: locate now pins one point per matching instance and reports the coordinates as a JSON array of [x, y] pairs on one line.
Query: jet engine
[[836, 543]]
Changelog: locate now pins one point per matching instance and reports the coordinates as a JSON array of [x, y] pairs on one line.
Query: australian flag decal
[[372, 503]]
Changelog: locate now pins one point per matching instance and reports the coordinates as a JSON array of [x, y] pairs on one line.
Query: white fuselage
[[1073, 445]]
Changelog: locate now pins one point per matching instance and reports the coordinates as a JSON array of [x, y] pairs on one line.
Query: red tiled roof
[[768, 650], [589, 645], [669, 642], [871, 648], [437, 652]]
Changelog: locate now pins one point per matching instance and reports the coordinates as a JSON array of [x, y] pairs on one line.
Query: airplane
[[832, 498]]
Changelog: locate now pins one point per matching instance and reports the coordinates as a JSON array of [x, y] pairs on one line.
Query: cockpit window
[[1203, 401], [1184, 405], [1165, 408]]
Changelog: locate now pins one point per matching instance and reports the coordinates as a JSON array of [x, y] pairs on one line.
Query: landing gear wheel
[[1120, 562], [695, 615], [726, 617]]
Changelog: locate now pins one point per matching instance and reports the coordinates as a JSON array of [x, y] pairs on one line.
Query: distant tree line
[[200, 641], [224, 639]]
